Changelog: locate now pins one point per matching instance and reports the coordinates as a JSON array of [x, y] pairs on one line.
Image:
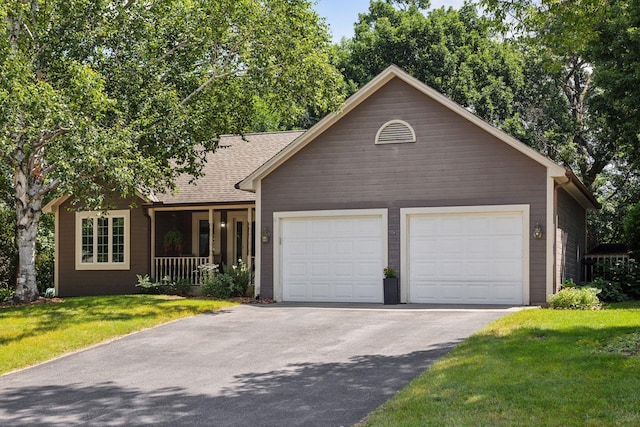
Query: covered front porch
[[184, 238]]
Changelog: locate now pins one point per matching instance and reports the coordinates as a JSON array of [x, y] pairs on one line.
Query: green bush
[[632, 228], [217, 285], [45, 249], [6, 294], [179, 287], [610, 291], [8, 249], [233, 281], [166, 286], [146, 286], [242, 277], [625, 274], [575, 299]]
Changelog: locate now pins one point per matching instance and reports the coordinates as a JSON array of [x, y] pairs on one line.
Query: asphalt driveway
[[276, 365]]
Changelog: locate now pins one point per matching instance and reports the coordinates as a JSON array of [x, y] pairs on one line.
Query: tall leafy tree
[[615, 51], [101, 96], [556, 35], [454, 51], [585, 117]]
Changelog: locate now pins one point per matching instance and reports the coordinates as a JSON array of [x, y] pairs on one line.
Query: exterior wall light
[[537, 231], [223, 224], [266, 235]]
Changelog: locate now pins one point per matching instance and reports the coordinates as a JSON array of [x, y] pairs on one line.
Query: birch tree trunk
[[28, 186]]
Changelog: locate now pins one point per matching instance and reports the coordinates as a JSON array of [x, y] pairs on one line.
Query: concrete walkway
[[275, 365]]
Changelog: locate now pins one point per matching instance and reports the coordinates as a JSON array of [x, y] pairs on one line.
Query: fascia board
[[50, 207]]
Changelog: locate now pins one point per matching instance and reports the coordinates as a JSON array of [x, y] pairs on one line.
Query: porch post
[[152, 217], [249, 236], [211, 228]]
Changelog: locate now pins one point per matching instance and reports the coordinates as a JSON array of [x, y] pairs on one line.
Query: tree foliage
[[123, 96], [615, 52], [585, 116], [453, 51], [632, 228]]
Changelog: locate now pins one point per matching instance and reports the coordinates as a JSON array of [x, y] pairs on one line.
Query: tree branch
[[204, 85]]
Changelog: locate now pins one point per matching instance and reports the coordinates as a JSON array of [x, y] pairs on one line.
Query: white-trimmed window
[[102, 240], [395, 132]]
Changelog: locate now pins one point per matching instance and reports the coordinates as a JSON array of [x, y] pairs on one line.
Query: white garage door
[[466, 258], [333, 259]]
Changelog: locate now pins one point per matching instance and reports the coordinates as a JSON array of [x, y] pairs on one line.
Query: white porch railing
[[179, 268]]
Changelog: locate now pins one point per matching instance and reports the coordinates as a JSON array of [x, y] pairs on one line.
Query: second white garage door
[[466, 257], [336, 258]]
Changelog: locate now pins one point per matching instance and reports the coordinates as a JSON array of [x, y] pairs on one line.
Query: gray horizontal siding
[[572, 220], [452, 163]]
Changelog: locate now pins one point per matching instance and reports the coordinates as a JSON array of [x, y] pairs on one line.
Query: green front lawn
[[536, 367], [32, 334]]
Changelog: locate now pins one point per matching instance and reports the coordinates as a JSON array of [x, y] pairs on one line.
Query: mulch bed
[[39, 301], [44, 301], [252, 300]]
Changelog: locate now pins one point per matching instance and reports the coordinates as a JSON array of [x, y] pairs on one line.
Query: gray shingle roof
[[233, 161]]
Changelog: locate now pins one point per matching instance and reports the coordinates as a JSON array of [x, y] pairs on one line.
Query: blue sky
[[342, 14]]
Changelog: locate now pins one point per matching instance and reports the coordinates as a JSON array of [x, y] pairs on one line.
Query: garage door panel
[[367, 291], [451, 269], [423, 270], [369, 247], [368, 270], [507, 225], [453, 247], [296, 269], [478, 292], [343, 258], [507, 271], [421, 247], [453, 226], [343, 269], [320, 269], [508, 246], [297, 290], [451, 291], [479, 269], [320, 247], [320, 228], [477, 247], [465, 257], [476, 226], [343, 247], [424, 228], [505, 292], [319, 290]]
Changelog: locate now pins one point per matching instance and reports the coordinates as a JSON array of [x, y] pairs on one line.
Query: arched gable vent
[[395, 132]]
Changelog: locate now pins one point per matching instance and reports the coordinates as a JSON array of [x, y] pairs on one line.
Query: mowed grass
[[33, 334], [537, 367]]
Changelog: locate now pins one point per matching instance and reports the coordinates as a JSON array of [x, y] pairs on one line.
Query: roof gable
[[392, 72]]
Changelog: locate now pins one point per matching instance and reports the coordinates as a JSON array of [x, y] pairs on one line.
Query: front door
[[200, 234], [237, 237]]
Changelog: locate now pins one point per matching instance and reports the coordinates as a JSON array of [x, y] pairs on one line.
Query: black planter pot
[[391, 290]]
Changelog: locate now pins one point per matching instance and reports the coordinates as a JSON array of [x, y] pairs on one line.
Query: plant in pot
[[391, 288]]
